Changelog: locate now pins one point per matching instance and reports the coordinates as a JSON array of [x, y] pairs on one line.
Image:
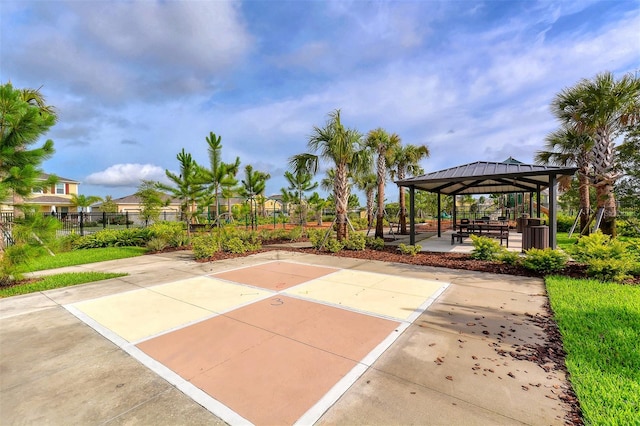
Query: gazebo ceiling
[[484, 177]]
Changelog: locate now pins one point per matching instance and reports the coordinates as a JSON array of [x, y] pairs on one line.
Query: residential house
[[133, 204], [56, 198]]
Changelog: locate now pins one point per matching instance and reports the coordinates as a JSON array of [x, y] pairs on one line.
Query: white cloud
[[126, 175], [128, 51]]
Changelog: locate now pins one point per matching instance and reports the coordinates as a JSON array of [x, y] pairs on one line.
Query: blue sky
[[134, 82]]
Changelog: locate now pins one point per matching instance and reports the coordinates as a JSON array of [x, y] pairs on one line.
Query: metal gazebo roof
[[485, 177]]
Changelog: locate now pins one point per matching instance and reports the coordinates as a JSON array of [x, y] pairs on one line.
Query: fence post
[[81, 224], [104, 220], [126, 219]]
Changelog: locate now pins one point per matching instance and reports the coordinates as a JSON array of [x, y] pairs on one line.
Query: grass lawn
[[563, 241], [81, 257], [600, 326], [57, 281]]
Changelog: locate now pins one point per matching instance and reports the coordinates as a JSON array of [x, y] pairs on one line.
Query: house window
[[37, 191], [60, 188]]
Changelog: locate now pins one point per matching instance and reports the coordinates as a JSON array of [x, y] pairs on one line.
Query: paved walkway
[[62, 363]]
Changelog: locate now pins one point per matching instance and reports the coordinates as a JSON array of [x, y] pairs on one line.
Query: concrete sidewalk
[[451, 366]]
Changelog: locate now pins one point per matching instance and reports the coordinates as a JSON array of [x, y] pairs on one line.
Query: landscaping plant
[[409, 249], [606, 258], [545, 261], [356, 241], [485, 248], [375, 243]]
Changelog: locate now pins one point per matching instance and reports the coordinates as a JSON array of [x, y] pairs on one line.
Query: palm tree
[[299, 183], [404, 161], [187, 186], [602, 109], [219, 175], [380, 142], [566, 147], [84, 201], [252, 187], [343, 148], [367, 183]]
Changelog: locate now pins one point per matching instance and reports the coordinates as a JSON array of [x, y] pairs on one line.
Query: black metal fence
[[90, 222]]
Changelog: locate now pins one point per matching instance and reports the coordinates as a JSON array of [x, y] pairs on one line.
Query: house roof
[[485, 177], [49, 199], [45, 176], [134, 199]]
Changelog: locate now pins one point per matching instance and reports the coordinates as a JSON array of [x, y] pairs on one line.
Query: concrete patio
[[449, 366]]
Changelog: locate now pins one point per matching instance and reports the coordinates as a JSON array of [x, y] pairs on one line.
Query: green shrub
[[234, 245], [156, 244], [356, 241], [69, 242], [606, 258], [375, 243], [565, 222], [133, 237], [238, 241], [333, 245], [205, 246], [485, 248], [509, 257], [610, 269], [172, 233], [315, 237], [409, 249], [545, 261], [629, 227], [296, 233], [359, 223]]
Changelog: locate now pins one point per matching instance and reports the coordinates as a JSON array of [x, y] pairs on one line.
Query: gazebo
[[485, 177]]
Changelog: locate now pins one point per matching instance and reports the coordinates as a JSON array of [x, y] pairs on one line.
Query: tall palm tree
[[566, 147], [343, 148], [219, 174], [187, 186], [602, 109], [404, 161], [382, 144]]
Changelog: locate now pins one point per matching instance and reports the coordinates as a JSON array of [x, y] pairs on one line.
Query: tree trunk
[[370, 201], [341, 195], [380, 215], [606, 200], [403, 206], [585, 202]]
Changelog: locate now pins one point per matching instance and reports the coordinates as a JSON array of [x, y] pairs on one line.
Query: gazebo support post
[[531, 205], [412, 215], [538, 201], [454, 212], [553, 204], [439, 216]]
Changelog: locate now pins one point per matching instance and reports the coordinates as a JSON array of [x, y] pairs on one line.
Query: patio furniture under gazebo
[[484, 177]]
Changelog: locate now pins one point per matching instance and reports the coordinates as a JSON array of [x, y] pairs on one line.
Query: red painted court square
[[270, 361], [275, 275]]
